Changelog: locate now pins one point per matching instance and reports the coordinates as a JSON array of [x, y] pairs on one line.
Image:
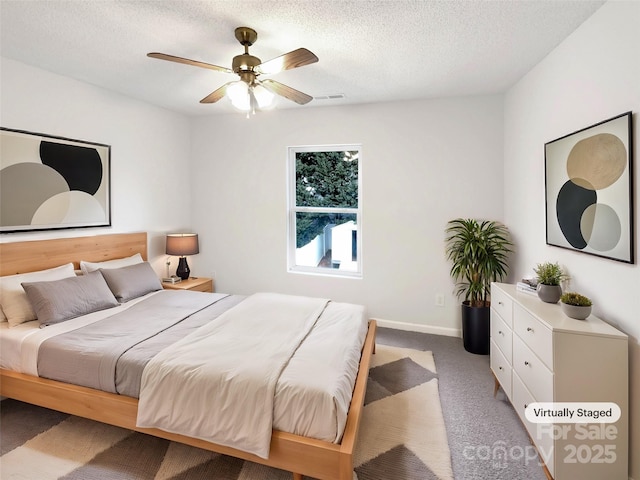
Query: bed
[[301, 455]]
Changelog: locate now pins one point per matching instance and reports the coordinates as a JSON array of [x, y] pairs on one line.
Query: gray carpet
[[486, 438]]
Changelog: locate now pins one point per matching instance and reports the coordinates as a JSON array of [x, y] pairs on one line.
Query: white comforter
[[218, 383]]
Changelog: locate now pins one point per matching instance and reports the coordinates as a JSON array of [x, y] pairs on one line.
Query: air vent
[[335, 96]]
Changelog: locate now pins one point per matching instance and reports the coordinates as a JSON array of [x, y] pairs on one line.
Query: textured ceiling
[[370, 51]]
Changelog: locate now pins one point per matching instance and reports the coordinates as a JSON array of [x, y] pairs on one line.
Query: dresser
[[540, 355]]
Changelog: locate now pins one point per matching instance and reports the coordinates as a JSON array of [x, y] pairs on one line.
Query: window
[[324, 208]]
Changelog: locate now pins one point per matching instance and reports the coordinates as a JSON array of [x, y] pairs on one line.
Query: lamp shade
[[181, 244]]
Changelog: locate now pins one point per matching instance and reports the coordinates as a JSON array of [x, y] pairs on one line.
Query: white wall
[[591, 76], [424, 163], [150, 149]]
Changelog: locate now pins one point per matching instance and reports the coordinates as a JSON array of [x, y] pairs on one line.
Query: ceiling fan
[[249, 93]]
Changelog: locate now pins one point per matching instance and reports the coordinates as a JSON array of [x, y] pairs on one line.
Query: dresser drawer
[[501, 369], [541, 437], [521, 399], [533, 372], [502, 304], [501, 334], [536, 335]]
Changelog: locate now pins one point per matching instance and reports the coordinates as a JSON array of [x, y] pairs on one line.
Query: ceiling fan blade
[[287, 92], [294, 59], [216, 95], [186, 61]]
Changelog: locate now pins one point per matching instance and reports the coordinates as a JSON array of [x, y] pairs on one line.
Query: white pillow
[[88, 267], [13, 299]]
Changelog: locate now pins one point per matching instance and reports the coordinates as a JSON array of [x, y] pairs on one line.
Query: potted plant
[[549, 276], [478, 252], [575, 305]]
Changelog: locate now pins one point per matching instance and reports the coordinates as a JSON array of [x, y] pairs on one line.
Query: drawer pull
[[526, 363], [529, 329], [526, 405], [500, 303], [500, 332], [499, 368]]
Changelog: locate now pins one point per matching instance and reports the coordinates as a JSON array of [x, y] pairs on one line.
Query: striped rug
[[402, 437]]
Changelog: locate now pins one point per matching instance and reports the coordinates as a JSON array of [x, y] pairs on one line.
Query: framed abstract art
[[589, 190], [49, 183]]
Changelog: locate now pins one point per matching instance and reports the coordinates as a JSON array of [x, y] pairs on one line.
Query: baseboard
[[414, 327]]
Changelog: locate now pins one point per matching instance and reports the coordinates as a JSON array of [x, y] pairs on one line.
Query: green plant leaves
[[479, 253], [549, 273]]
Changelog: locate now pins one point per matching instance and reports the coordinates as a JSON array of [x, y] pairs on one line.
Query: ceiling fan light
[[238, 93], [263, 96]]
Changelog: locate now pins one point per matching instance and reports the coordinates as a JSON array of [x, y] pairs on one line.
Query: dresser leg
[[496, 386]]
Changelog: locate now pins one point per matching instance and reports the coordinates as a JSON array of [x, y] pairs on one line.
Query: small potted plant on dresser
[[549, 276], [575, 305], [478, 251]]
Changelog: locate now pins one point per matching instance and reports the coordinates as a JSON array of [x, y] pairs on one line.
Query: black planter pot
[[476, 325]]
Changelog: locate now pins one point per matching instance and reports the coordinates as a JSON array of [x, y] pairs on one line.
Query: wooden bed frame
[[293, 453]]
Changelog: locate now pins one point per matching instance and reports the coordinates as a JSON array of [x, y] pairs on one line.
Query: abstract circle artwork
[[49, 182], [588, 190]]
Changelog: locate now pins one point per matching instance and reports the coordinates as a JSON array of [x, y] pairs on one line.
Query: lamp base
[[183, 268]]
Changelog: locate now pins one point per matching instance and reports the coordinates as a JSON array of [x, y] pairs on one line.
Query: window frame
[[293, 210]]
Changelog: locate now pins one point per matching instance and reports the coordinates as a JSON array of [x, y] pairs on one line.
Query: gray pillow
[[61, 300], [131, 282]]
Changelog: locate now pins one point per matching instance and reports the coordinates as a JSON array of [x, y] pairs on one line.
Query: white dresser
[[540, 355]]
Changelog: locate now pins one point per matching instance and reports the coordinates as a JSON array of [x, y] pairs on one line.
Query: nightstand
[[199, 284]]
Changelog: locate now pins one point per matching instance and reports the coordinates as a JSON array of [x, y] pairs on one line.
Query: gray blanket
[[110, 354]]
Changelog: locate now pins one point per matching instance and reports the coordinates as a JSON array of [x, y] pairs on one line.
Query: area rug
[[402, 437]]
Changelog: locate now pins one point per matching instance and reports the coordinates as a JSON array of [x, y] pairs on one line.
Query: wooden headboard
[[33, 255]]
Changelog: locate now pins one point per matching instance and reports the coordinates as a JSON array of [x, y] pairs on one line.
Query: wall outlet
[[439, 299]]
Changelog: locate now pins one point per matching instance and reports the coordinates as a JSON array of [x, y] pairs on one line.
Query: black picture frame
[[589, 191], [50, 183]]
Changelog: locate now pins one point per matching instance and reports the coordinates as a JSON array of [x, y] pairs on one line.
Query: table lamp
[[181, 244]]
